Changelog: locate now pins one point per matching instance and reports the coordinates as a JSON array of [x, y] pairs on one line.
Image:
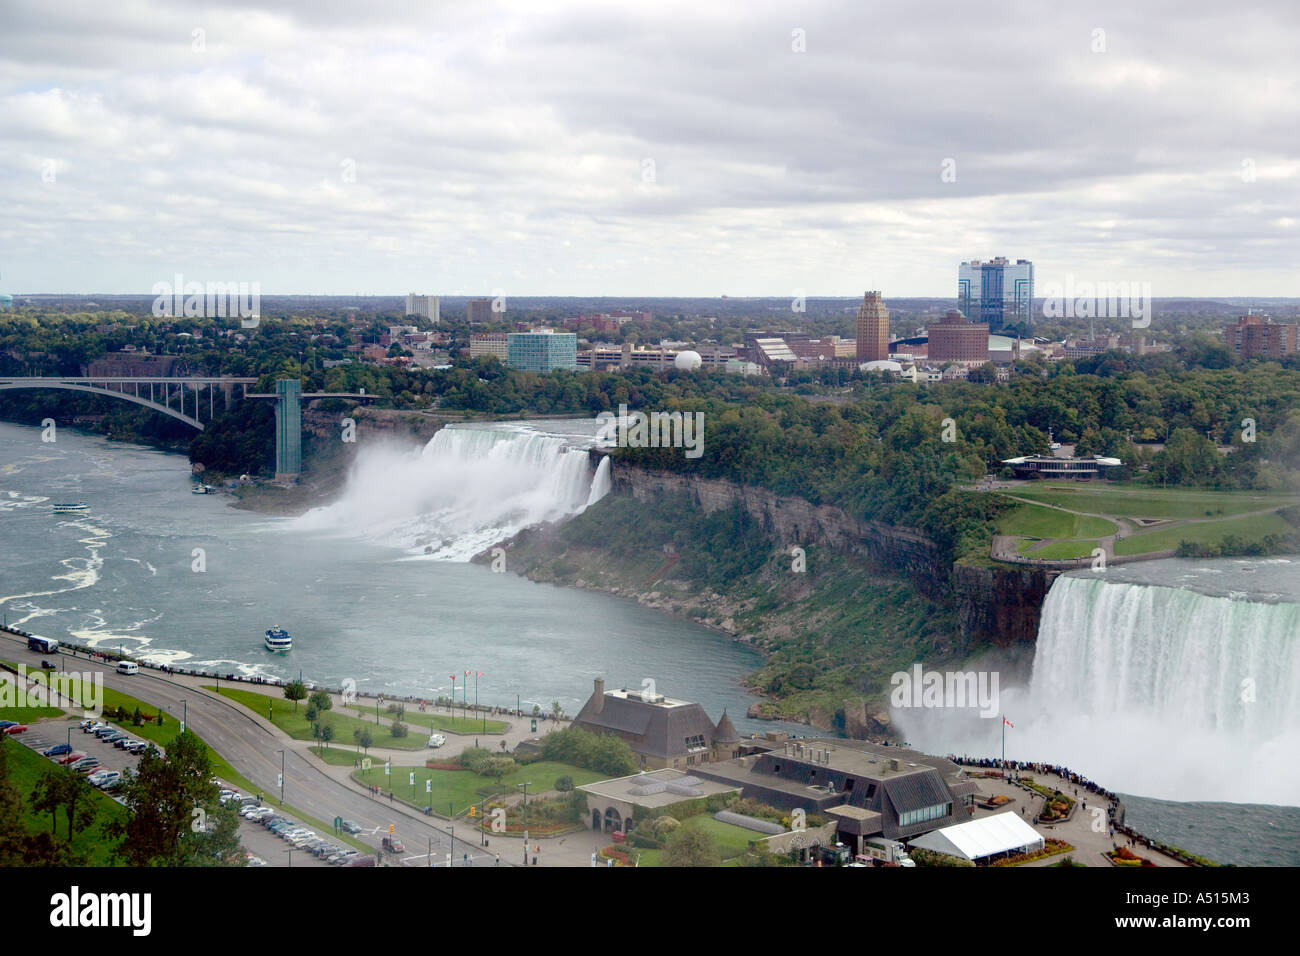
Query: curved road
[[255, 751]]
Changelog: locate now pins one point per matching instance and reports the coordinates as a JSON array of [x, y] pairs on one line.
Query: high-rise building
[[425, 306], [873, 329], [954, 338], [480, 310], [998, 292], [1255, 335], [489, 343], [542, 350]]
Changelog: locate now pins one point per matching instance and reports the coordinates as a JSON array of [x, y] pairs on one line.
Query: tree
[[295, 691], [556, 710], [564, 784], [64, 787], [176, 819], [311, 713], [364, 738], [398, 729], [320, 699], [326, 734], [691, 846]]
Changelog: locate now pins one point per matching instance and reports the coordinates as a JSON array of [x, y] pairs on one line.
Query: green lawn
[[1031, 521], [1058, 550], [295, 724], [451, 723], [25, 769], [1145, 501], [459, 788], [732, 841], [1251, 528], [25, 715]]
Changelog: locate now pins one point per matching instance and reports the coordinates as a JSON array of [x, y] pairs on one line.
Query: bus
[[44, 645]]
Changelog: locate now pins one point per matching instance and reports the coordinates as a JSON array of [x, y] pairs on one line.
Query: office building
[[998, 293], [425, 306], [489, 343], [480, 310], [1255, 335], [873, 329], [954, 338], [542, 350]]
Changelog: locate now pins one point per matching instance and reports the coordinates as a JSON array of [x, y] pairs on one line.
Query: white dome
[[881, 364], [688, 360]]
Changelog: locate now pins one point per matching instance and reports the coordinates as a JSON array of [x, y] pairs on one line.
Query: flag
[[1008, 723]]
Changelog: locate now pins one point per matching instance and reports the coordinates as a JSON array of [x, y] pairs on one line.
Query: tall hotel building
[[956, 339], [425, 306], [480, 310], [873, 329], [997, 293]]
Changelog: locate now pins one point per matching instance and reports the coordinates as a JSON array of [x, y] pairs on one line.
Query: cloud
[[645, 149]]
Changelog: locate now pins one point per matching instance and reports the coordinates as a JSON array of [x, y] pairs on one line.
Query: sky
[[663, 148]]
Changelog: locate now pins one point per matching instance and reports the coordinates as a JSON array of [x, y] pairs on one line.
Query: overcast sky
[[647, 148]]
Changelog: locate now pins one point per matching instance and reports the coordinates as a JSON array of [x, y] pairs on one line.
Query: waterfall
[[468, 488], [1176, 681]]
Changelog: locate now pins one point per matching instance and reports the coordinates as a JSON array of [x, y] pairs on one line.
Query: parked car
[[342, 856], [5, 724], [361, 861], [256, 861], [72, 757], [16, 729], [103, 733], [104, 779], [93, 726], [123, 741], [136, 747], [57, 750], [87, 723], [86, 764], [351, 826]]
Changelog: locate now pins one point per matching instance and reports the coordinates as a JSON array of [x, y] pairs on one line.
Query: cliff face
[[994, 605], [797, 522]]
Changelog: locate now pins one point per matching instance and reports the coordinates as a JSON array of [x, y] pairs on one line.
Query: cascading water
[[468, 488], [1164, 679]]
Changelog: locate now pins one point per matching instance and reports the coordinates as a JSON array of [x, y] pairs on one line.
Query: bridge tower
[[288, 428]]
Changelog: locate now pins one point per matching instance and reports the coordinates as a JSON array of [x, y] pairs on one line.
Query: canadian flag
[[1008, 723]]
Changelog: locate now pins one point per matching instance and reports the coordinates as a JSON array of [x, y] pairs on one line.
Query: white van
[[128, 667]]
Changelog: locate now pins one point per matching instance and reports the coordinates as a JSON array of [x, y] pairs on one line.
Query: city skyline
[[675, 151]]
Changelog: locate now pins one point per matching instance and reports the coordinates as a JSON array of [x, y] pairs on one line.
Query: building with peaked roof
[[868, 789], [662, 732]]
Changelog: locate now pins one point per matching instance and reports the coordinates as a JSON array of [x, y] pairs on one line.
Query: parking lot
[[50, 733]]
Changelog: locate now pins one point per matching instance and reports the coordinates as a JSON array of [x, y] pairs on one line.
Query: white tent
[[984, 837]]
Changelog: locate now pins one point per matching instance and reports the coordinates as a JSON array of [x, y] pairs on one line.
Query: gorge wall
[[995, 605]]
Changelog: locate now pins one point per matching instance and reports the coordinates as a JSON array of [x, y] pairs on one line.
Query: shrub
[[398, 729]]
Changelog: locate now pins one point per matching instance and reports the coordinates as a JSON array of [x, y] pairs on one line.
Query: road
[[255, 749]]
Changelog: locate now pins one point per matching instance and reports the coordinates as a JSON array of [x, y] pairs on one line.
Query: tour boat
[[68, 508], [202, 490], [278, 639]]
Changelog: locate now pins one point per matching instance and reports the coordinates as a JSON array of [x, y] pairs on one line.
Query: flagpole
[[1004, 746]]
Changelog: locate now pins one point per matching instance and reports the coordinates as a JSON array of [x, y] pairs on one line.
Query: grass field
[[732, 841], [25, 715], [459, 788], [451, 723], [1057, 550], [1032, 521], [25, 769], [1144, 501], [1254, 527], [295, 723]]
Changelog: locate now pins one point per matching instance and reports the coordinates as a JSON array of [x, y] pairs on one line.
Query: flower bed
[[437, 765], [619, 856], [1126, 857], [1050, 848]]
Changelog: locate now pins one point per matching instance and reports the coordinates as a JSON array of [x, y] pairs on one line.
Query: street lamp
[[184, 713], [477, 675], [525, 787], [452, 709], [281, 753], [465, 696]]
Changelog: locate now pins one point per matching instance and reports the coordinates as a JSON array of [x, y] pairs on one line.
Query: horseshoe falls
[[1172, 680], [467, 488]]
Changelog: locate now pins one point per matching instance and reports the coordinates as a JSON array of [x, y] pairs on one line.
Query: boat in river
[[68, 508], [278, 640]]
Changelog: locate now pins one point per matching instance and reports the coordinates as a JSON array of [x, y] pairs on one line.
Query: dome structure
[[688, 361], [881, 365]]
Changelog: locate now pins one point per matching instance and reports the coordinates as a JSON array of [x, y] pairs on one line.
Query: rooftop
[[659, 788]]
